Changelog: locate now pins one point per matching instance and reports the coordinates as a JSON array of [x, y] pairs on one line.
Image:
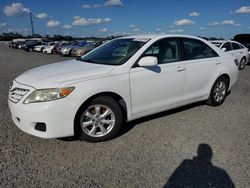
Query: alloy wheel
[[220, 91], [97, 120]]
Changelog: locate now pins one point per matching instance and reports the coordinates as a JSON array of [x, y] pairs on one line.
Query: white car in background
[[235, 49], [48, 49], [93, 97], [40, 48]]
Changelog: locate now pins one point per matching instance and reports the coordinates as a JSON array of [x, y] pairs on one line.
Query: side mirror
[[224, 49], [148, 61]]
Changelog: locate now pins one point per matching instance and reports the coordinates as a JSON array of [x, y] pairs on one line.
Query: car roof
[[218, 41], [158, 36]]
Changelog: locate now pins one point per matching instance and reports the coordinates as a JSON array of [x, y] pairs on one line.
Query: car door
[[201, 66], [237, 51], [154, 88]]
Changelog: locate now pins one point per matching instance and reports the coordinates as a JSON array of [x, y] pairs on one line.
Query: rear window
[[236, 46], [196, 49]]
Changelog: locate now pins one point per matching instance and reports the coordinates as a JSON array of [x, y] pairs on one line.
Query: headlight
[[44, 95]]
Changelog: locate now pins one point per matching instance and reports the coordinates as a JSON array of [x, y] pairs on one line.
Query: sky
[[86, 18]]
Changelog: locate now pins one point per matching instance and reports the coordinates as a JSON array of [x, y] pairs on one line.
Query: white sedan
[[235, 49], [48, 49], [40, 48], [93, 97]]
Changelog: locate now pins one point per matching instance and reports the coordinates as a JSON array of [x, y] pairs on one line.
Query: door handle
[[180, 69], [218, 63]]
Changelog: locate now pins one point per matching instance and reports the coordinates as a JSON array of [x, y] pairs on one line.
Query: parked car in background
[[17, 44], [127, 78], [49, 48], [40, 48], [80, 51], [235, 49], [66, 50], [29, 46], [58, 47]]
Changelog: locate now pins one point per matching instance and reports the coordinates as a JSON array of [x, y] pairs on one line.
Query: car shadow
[[199, 172]]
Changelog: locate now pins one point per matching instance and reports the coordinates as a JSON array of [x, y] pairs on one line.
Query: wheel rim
[[97, 120], [242, 63], [220, 91]]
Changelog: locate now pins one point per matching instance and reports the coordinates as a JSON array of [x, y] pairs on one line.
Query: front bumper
[[58, 116], [65, 52]]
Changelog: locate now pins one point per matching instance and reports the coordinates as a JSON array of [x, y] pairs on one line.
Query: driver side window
[[166, 50]]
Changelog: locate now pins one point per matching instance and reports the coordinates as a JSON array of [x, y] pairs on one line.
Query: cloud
[[132, 26], [109, 3], [53, 23], [77, 17], [225, 22], [136, 30], [184, 22], [42, 15], [3, 24], [213, 24], [237, 25], [18, 30], [87, 6], [203, 28], [67, 26], [90, 21], [158, 30], [113, 3], [176, 31], [103, 30], [243, 10], [16, 9], [194, 14]]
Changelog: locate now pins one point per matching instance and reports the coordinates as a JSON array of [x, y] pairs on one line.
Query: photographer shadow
[[199, 172]]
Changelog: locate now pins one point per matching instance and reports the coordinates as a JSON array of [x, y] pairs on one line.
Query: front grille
[[16, 94]]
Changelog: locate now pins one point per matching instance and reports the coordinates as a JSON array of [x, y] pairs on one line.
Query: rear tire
[[218, 92], [99, 120], [243, 63]]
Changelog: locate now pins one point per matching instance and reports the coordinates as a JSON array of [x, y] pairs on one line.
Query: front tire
[[219, 92], [99, 120]]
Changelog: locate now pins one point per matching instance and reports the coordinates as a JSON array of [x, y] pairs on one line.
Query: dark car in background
[[30, 45], [243, 39]]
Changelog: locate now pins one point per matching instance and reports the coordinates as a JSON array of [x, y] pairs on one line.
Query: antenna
[[31, 23]]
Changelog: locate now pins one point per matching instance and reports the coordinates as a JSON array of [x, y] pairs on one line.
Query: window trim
[[183, 49], [179, 48]]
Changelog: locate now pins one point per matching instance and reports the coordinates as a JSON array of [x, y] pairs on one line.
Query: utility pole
[[31, 23]]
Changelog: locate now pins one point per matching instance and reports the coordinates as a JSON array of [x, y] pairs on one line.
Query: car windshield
[[116, 52]]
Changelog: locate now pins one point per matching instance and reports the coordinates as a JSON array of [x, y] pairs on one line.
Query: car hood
[[63, 74]]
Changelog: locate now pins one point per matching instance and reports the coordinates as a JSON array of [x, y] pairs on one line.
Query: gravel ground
[[146, 154]]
